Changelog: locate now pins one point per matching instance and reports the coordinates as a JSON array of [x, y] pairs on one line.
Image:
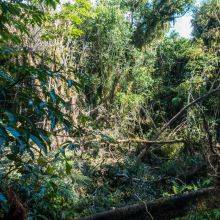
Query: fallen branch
[[143, 141], [186, 107], [165, 208], [132, 140], [143, 151]]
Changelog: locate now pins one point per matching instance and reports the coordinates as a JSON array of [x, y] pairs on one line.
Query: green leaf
[[107, 138], [175, 189], [176, 101], [14, 157], [44, 136], [53, 96], [68, 168], [70, 83], [11, 117], [38, 142], [53, 120], [6, 76], [50, 170], [2, 141], [13, 132]]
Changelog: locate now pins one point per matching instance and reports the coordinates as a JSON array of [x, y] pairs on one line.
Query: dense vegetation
[[102, 107]]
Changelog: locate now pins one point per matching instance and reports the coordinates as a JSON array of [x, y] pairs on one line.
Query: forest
[[108, 114]]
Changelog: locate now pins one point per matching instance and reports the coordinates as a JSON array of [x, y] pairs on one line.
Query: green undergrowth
[[70, 184], [207, 215]]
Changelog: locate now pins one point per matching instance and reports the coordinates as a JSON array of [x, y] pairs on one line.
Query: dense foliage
[[84, 86]]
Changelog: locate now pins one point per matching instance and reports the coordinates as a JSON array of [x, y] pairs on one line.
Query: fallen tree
[[201, 98], [143, 141], [175, 117], [165, 208]]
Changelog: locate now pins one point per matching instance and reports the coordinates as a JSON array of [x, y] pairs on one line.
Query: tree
[[84, 89], [30, 109], [206, 23], [154, 19]]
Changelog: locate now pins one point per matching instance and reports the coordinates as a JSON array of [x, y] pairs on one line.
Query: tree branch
[[187, 107], [143, 141], [142, 153]]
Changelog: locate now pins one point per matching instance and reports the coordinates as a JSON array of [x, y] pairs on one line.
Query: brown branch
[[10, 171], [143, 141], [165, 208], [132, 140], [208, 133], [17, 210]]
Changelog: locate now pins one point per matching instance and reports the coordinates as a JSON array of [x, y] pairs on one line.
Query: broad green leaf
[[13, 132], [6, 76], [39, 143]]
